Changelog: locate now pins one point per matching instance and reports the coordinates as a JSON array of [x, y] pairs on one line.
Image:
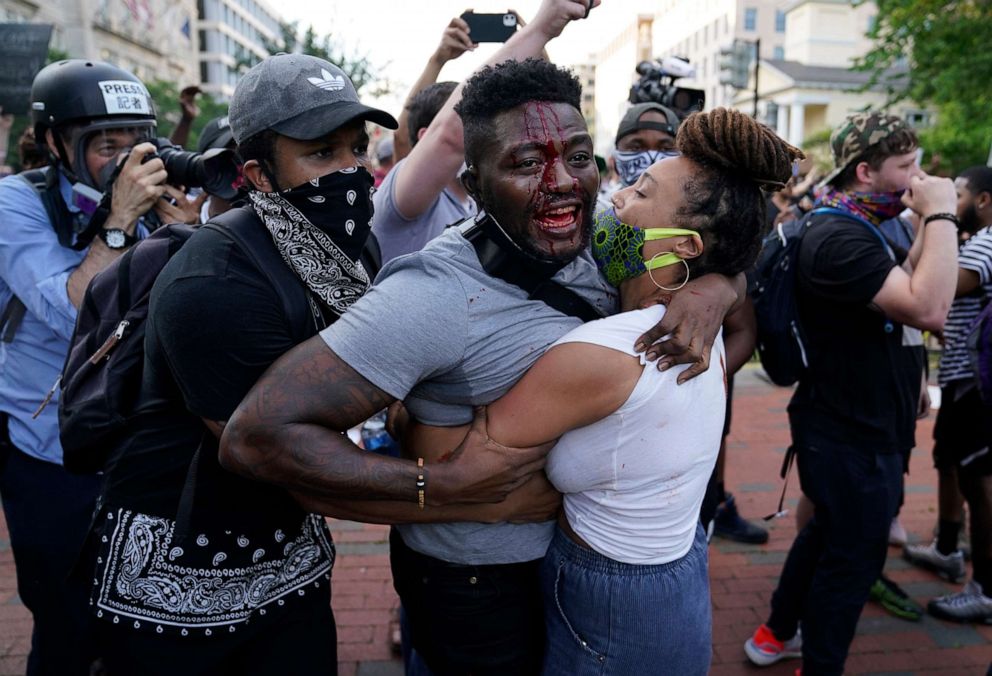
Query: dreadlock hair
[[496, 89], [424, 107], [737, 158]]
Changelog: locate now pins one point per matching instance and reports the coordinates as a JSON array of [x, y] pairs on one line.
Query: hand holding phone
[[455, 41]]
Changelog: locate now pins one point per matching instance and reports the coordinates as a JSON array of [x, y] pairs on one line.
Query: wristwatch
[[115, 238]]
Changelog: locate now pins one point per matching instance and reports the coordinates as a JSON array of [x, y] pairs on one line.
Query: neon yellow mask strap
[[663, 233], [662, 260], [665, 259]]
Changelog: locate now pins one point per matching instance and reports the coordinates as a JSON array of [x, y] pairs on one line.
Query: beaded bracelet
[[942, 217], [421, 483]]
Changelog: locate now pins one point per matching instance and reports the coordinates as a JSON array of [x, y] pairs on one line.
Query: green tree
[[366, 76], [944, 46], [165, 95]]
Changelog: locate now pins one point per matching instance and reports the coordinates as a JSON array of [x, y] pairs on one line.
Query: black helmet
[[92, 95]]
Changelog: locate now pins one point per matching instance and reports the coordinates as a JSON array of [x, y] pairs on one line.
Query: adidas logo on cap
[[327, 82]]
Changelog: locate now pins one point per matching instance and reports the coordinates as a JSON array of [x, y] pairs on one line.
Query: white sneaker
[[950, 566], [897, 534], [968, 605]]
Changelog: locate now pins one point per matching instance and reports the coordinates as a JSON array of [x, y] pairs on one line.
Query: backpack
[[497, 263], [781, 341], [102, 376], [772, 288], [979, 344]]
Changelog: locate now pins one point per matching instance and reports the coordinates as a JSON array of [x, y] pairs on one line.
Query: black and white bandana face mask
[[320, 228], [632, 163]]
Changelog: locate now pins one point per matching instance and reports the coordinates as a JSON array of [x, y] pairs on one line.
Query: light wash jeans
[[611, 618]]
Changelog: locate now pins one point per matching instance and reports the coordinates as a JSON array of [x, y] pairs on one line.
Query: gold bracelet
[[421, 483]]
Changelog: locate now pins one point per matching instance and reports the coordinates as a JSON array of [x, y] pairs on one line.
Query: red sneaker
[[764, 649]]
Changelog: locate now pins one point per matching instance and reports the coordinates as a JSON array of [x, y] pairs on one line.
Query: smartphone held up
[[490, 27]]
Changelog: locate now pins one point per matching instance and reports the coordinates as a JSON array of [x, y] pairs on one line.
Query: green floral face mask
[[618, 248]]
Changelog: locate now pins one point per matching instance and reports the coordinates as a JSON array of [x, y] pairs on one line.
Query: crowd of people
[[554, 340]]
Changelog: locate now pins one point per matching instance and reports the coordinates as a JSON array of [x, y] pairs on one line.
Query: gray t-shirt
[[439, 333], [399, 235]]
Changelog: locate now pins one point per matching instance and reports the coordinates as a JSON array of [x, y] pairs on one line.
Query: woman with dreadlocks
[[625, 579]]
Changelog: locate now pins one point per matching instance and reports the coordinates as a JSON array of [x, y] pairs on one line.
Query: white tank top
[[633, 482]]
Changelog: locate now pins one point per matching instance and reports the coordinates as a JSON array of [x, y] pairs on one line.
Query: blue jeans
[[839, 554], [606, 617]]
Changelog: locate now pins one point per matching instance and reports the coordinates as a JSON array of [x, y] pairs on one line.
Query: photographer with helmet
[[86, 114]]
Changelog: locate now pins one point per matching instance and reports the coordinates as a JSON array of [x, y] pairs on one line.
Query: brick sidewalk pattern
[[742, 576]]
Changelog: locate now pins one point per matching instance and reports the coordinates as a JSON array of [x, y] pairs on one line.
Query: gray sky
[[402, 34]]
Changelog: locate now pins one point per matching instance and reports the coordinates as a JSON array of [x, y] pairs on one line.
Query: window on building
[[917, 118], [779, 21], [771, 115], [706, 35], [751, 18], [872, 19], [778, 52]]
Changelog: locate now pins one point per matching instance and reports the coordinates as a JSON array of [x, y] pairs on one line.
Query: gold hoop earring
[[665, 288]]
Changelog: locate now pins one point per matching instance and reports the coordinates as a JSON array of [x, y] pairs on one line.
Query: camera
[[217, 171], [657, 85]]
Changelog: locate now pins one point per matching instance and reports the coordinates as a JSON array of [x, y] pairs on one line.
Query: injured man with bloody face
[[450, 329]]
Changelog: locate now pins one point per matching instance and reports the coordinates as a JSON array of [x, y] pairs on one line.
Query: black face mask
[[320, 228]]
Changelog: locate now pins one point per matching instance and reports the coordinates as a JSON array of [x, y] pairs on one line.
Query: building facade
[[614, 75], [698, 29], [154, 39], [233, 35], [813, 87], [692, 29], [806, 82], [205, 42], [586, 72]]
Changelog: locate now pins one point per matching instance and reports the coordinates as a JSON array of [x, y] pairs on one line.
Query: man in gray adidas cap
[[289, 101], [247, 588]]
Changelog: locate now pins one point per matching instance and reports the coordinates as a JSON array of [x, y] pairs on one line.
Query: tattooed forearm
[[290, 428], [393, 512]]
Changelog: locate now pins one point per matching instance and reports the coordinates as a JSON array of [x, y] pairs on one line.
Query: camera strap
[[46, 184], [534, 277]]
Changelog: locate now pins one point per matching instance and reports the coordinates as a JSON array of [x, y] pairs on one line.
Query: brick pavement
[[743, 576]]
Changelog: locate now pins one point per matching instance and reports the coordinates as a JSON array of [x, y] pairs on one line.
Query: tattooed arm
[[536, 500], [290, 431]]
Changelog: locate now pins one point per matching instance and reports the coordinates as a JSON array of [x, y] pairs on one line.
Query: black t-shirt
[[863, 383], [244, 551], [215, 324]]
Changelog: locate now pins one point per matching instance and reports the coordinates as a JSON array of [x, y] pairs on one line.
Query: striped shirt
[[975, 255]]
